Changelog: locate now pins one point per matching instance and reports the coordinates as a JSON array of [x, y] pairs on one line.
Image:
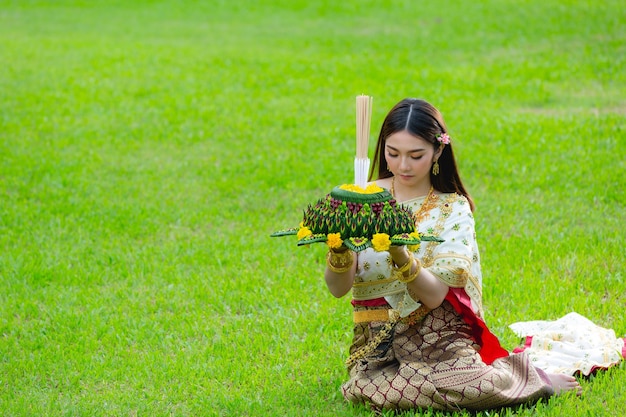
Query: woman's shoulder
[[454, 202], [453, 198]]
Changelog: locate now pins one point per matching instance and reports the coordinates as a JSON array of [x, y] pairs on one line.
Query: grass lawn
[[149, 148]]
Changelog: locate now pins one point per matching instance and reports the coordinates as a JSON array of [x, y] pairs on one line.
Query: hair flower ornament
[[443, 138], [358, 218]]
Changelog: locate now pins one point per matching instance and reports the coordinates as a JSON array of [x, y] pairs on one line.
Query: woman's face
[[409, 158]]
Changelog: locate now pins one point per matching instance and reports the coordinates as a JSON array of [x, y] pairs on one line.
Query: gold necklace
[[427, 205]]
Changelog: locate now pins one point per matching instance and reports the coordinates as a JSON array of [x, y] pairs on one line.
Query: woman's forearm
[[422, 284], [339, 284], [428, 289], [340, 271]]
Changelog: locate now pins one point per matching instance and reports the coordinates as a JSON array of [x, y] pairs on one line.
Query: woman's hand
[[423, 285], [399, 254]]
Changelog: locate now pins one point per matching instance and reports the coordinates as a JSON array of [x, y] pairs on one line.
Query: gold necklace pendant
[[429, 203]]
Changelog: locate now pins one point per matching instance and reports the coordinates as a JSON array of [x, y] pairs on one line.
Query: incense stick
[[363, 117]]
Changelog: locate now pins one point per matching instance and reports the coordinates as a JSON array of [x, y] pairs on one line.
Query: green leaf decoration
[[357, 244], [352, 197], [430, 238], [312, 239], [404, 239], [357, 217], [285, 232]]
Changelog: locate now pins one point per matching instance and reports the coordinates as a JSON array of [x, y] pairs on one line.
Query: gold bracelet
[[339, 262], [414, 275], [340, 259], [407, 266]]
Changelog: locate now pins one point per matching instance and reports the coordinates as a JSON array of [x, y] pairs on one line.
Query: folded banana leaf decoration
[[358, 218]]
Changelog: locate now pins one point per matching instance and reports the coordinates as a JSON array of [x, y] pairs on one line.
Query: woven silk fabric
[[449, 359], [435, 363]]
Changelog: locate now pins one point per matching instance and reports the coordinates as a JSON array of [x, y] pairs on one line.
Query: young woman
[[419, 335]]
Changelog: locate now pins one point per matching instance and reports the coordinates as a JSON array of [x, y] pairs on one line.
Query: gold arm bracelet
[[339, 262], [410, 278], [407, 266]]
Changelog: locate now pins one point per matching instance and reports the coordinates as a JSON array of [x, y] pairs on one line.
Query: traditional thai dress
[[405, 356]]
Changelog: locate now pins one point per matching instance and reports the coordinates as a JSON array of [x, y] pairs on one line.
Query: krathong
[[358, 218], [359, 215]]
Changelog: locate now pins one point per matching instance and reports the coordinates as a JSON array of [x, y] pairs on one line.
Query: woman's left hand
[[399, 254]]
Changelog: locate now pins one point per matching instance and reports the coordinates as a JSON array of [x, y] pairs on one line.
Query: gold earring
[[436, 168]]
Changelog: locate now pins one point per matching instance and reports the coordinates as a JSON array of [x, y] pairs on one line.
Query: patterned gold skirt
[[436, 363]]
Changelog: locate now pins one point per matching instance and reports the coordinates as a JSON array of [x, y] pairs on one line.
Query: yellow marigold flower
[[373, 189], [304, 232], [414, 248], [334, 240], [381, 242], [370, 189]]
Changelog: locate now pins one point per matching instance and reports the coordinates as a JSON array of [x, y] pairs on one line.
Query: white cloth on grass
[[570, 345]]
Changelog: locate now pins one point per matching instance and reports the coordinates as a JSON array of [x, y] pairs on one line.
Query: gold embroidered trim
[[475, 283], [473, 287], [417, 315], [365, 316], [427, 205], [384, 333], [446, 210], [375, 282], [455, 256], [474, 291], [460, 274], [377, 291], [366, 290], [367, 349], [458, 279]]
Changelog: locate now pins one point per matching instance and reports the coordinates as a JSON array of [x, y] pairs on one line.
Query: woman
[[419, 335]]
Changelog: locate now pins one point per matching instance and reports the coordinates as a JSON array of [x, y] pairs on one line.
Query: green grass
[[149, 148]]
